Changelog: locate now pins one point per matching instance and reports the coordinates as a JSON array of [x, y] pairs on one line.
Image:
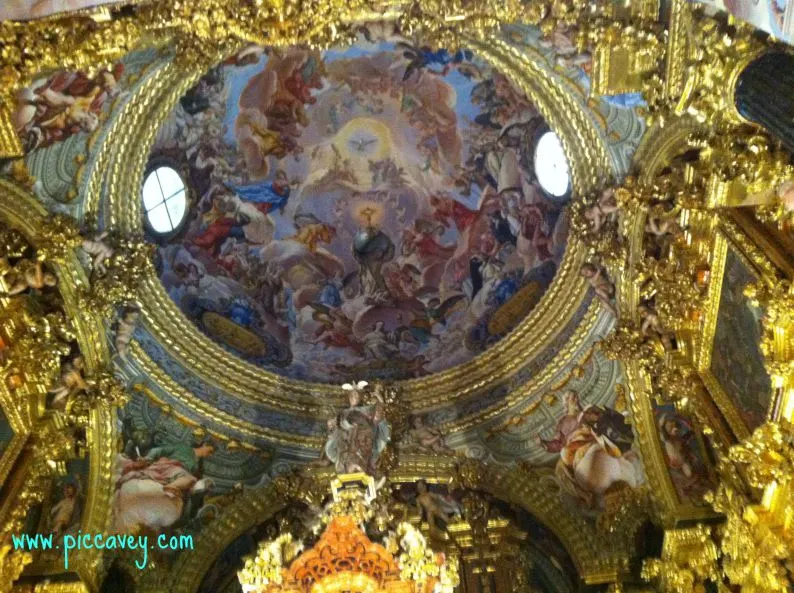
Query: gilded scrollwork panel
[[23, 213]]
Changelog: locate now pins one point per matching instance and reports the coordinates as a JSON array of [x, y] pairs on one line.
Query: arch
[[596, 558]]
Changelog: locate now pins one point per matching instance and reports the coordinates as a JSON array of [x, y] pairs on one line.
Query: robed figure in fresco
[[266, 196], [595, 448], [151, 490], [359, 434]]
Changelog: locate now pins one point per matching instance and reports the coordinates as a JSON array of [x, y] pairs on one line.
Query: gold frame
[[17, 421], [727, 236], [121, 167]]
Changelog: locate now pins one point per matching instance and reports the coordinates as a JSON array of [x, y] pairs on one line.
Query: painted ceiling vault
[[464, 266], [367, 212]]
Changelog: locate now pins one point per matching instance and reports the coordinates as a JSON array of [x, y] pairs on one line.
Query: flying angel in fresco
[[67, 103], [272, 108]]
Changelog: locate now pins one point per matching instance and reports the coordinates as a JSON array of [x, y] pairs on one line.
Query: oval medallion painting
[[365, 212]]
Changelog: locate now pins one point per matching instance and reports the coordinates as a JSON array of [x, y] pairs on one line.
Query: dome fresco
[[367, 212]]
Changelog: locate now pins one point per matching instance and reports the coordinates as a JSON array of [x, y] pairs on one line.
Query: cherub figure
[[99, 251], [652, 326], [603, 287], [71, 382], [436, 508], [127, 323], [64, 512], [424, 438], [26, 274], [662, 227], [602, 210]]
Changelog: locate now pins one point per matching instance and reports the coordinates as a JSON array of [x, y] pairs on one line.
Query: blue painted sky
[[236, 78]]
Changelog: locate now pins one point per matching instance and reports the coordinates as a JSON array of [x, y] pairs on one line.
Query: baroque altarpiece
[[465, 296]]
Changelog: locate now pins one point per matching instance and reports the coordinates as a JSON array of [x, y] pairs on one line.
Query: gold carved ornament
[[39, 356], [756, 490], [757, 538], [345, 559], [688, 560]]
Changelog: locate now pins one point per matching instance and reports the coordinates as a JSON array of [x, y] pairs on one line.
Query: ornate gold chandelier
[[344, 559]]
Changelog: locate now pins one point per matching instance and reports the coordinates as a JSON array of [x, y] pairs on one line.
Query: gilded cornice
[[123, 165], [155, 374]]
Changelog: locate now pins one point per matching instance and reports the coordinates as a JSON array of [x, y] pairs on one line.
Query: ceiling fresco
[[370, 279], [62, 119], [33, 9], [366, 212], [425, 155], [772, 16]]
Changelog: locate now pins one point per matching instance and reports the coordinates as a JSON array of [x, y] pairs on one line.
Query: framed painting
[[730, 360], [678, 464], [12, 437], [60, 513], [688, 461]]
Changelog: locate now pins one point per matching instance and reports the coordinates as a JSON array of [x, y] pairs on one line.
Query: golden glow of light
[[367, 128], [368, 213], [344, 582]]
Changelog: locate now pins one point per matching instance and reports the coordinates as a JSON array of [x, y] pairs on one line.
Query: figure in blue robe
[[266, 196], [420, 58]]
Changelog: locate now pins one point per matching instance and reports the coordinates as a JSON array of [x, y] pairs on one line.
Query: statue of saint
[[359, 434]]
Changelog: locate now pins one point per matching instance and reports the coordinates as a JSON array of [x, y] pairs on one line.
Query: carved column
[[763, 95]]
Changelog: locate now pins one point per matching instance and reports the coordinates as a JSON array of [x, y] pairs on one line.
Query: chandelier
[[344, 559]]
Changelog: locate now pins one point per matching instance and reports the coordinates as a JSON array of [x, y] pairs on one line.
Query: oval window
[[551, 165], [164, 200]]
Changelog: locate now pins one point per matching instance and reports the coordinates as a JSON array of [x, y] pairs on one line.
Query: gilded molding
[[22, 212], [126, 161]]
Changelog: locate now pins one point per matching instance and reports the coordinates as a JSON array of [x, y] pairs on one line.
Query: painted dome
[[366, 212]]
